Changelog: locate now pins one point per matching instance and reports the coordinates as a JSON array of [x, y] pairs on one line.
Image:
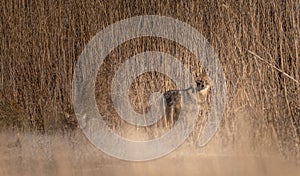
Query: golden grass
[[257, 43]]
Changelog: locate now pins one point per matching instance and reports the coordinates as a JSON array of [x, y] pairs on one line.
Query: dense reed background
[[257, 43]]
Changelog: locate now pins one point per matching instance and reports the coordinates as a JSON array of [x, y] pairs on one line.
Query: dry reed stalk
[[40, 42]]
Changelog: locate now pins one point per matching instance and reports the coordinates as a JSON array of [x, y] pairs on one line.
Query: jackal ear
[[206, 78]]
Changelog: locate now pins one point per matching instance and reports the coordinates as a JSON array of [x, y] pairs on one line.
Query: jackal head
[[203, 84]]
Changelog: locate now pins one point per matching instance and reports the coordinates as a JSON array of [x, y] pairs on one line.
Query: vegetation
[[257, 43]]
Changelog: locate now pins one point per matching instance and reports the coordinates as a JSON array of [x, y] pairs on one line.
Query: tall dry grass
[[257, 43]]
